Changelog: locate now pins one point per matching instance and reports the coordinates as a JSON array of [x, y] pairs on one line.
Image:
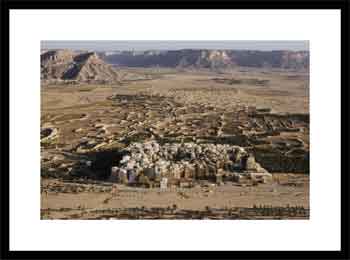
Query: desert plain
[[262, 112]]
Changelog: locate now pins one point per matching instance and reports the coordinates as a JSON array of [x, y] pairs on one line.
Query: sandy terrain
[[292, 190], [112, 116]]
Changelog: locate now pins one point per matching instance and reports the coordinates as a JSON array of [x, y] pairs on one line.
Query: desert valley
[[177, 134]]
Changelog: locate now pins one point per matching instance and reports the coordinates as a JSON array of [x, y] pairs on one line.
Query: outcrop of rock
[[172, 163], [54, 64], [48, 134], [82, 67], [214, 59]]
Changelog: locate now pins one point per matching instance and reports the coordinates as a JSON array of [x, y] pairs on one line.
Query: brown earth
[[63, 200], [173, 106]]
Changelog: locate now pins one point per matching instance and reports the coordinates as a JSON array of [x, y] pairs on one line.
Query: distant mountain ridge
[[213, 59], [69, 65], [82, 66]]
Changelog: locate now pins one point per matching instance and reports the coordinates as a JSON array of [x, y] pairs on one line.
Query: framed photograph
[[179, 130]]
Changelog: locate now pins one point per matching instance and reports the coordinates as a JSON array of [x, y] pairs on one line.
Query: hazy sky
[[174, 45]]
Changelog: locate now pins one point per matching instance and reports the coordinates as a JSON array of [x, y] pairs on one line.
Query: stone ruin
[[150, 164], [47, 134]]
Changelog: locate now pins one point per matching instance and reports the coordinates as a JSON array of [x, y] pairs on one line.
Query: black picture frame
[[8, 5]]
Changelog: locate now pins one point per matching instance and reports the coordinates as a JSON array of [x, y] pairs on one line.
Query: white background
[[29, 27]]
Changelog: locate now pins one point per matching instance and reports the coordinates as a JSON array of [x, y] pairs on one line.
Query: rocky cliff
[[68, 65], [213, 59]]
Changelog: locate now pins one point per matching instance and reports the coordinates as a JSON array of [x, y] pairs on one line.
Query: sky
[[175, 45]]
